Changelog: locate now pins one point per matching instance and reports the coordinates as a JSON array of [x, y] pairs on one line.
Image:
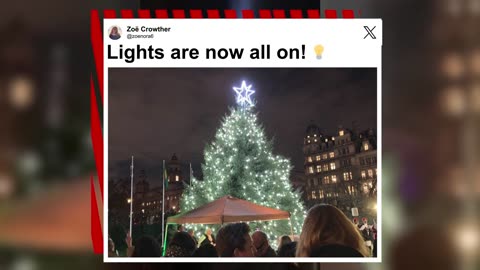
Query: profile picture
[[114, 32]]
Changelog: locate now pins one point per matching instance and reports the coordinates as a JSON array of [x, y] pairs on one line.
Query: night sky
[[153, 113]]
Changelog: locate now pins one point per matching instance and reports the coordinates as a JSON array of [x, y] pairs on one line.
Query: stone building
[[148, 201], [341, 169]]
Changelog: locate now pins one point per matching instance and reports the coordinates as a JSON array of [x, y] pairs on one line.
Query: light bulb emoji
[[318, 51]]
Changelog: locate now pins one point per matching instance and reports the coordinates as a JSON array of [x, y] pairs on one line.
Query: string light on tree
[[239, 162]]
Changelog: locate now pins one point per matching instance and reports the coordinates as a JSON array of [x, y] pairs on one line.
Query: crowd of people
[[326, 232]]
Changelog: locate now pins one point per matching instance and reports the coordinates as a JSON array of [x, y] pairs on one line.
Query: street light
[[129, 200]]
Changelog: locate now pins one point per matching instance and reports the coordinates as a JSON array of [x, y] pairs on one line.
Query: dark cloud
[[153, 113]]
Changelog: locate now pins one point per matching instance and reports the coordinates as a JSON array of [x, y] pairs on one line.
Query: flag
[[165, 178]]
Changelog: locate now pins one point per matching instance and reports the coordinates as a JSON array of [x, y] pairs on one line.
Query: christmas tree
[[239, 162]]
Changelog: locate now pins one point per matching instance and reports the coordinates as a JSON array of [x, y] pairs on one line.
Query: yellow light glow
[[453, 66], [21, 92], [475, 98], [454, 101], [475, 62], [467, 237], [129, 200], [319, 51]]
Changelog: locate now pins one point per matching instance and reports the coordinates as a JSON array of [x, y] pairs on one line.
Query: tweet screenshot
[[231, 140]]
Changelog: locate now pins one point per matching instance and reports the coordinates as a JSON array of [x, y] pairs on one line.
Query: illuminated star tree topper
[[244, 94]]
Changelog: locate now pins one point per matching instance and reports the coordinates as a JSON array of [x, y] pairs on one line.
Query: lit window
[[334, 178], [309, 159], [308, 141], [347, 176], [364, 175], [352, 190], [319, 168], [310, 169], [324, 156], [370, 173], [315, 140], [341, 133], [308, 136], [177, 178], [314, 195], [321, 194], [314, 135], [332, 166], [317, 158], [365, 188], [365, 146], [325, 167], [143, 204], [331, 154], [326, 180]]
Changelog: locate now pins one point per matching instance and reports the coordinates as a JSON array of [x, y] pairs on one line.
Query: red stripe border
[[98, 76], [229, 14]]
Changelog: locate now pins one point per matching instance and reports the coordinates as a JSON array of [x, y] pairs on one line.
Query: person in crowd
[[327, 232], [205, 251], [146, 246], [283, 240], [262, 246], [114, 33], [111, 248], [233, 240], [180, 228], [192, 234], [129, 242], [355, 222], [366, 231], [181, 245], [207, 238], [287, 250], [374, 234]]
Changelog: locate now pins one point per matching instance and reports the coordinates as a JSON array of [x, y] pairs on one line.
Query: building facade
[[148, 201], [341, 169]]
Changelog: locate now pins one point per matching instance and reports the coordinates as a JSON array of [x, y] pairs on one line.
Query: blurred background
[[431, 131]]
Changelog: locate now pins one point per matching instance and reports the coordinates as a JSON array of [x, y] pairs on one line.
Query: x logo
[[370, 32]]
